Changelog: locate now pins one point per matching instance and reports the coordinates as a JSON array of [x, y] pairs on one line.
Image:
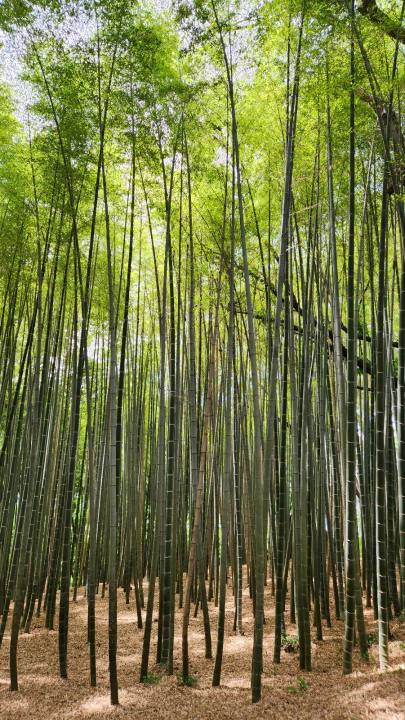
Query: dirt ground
[[367, 693]]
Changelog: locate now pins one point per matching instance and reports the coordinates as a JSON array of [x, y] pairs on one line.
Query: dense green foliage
[[202, 317]]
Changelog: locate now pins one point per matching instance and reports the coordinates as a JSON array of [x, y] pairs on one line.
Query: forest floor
[[366, 693]]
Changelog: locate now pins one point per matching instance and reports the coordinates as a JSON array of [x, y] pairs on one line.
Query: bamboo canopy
[[202, 321]]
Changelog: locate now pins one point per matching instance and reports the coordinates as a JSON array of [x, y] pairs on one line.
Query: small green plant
[[292, 688], [303, 684], [273, 671], [371, 638], [151, 678], [189, 680], [290, 643], [402, 646]]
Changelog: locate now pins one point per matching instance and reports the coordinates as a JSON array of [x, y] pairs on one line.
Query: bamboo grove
[[202, 322]]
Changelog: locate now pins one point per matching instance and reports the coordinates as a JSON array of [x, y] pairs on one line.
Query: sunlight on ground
[[98, 704], [365, 694]]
